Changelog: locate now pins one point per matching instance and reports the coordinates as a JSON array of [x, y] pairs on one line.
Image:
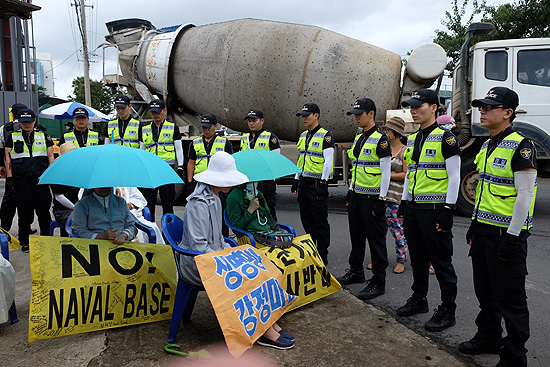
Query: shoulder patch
[[274, 140], [384, 145], [526, 153], [328, 138], [451, 140]]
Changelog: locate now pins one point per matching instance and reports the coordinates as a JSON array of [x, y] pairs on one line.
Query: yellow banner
[[304, 273], [81, 285]]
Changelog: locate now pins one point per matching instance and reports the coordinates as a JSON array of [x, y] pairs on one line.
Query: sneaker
[[286, 335], [475, 347], [442, 319], [33, 231], [413, 306], [25, 248], [281, 343], [352, 276], [372, 290]]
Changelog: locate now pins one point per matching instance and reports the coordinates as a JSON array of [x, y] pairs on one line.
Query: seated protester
[[202, 228], [136, 202], [247, 210], [64, 197], [92, 217]]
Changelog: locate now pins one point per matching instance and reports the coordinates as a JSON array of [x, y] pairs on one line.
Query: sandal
[[432, 270], [399, 268]]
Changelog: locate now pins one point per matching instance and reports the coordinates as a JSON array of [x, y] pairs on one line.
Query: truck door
[[532, 83]]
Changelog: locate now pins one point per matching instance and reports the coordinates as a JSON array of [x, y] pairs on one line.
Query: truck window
[[534, 67], [496, 65]]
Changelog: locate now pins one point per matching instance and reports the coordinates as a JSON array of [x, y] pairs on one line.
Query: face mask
[[250, 190]]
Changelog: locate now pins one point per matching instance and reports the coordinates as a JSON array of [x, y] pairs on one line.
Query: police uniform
[[500, 285], [160, 140], [313, 212], [426, 152], [29, 160], [81, 139], [366, 174], [8, 208], [123, 132], [265, 140]]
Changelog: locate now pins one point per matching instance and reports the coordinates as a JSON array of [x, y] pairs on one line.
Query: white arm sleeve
[[524, 182], [136, 197], [405, 195], [107, 141], [278, 150], [453, 171], [141, 145], [385, 166], [62, 199], [328, 154], [179, 152]]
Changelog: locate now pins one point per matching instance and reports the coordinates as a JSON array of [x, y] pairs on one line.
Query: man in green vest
[[163, 138], [502, 217], [370, 178], [81, 136], [124, 130], [28, 154], [200, 151], [430, 192], [316, 152], [259, 138]]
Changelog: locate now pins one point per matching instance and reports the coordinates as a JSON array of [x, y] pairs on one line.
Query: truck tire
[[467, 190]]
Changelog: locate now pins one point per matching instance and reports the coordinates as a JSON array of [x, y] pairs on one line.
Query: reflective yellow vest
[[366, 174], [39, 148], [164, 147], [201, 163], [261, 143], [496, 193], [130, 137], [428, 177], [93, 138], [311, 159]]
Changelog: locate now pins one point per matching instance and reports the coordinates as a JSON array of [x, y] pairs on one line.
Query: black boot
[[475, 347], [372, 290], [413, 306], [442, 319], [352, 276]]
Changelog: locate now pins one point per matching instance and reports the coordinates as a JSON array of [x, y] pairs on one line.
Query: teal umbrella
[[262, 165]]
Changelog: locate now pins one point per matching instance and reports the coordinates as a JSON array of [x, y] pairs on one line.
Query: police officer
[[80, 136], [431, 188], [259, 138], [162, 138], [202, 149], [502, 217], [370, 178], [316, 151], [28, 154], [124, 130]]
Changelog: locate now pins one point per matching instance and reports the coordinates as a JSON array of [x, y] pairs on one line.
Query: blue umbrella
[[262, 165], [65, 111]]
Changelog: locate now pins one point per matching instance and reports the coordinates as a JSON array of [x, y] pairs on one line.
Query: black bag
[[279, 239]]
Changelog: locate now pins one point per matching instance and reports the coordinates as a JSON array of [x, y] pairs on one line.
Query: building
[[44, 72]]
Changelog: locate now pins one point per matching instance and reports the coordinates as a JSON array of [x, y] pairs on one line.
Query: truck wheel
[[467, 190]]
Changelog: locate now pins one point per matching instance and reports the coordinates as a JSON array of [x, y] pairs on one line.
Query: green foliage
[[457, 23], [41, 91], [102, 99], [521, 19]]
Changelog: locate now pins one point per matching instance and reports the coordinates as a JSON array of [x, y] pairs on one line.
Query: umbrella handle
[[111, 206]]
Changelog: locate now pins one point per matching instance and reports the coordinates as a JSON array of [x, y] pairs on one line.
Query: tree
[[524, 19], [452, 39], [102, 99], [41, 91]]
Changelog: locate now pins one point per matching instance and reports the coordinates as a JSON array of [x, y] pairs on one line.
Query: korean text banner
[[304, 273], [81, 285], [245, 290]]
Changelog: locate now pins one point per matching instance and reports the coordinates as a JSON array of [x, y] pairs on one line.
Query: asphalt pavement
[[338, 330]]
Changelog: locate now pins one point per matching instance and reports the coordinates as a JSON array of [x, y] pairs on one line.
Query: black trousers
[[29, 198], [365, 226], [7, 210], [269, 188], [426, 246], [500, 289], [314, 217], [167, 195]]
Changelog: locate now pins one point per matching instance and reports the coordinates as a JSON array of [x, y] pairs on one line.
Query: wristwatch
[[382, 197]]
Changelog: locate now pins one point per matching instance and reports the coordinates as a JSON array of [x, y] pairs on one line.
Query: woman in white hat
[[202, 228]]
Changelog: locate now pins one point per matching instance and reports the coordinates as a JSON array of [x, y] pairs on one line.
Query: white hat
[[221, 172]]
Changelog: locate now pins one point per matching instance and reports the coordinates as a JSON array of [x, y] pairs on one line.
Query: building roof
[[17, 8]]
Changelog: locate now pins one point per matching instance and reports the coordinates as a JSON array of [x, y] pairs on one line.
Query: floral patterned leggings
[[396, 226]]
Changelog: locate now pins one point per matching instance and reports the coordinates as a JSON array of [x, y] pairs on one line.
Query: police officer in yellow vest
[[28, 154], [502, 217], [370, 158], [162, 138], [124, 130], [81, 136], [259, 138], [316, 151], [429, 196]]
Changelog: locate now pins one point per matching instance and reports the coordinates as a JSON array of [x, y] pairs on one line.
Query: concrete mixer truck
[[227, 68]]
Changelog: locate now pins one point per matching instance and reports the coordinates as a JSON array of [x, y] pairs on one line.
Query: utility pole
[[88, 97]]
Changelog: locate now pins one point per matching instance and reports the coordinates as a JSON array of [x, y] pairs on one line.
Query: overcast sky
[[396, 25]]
